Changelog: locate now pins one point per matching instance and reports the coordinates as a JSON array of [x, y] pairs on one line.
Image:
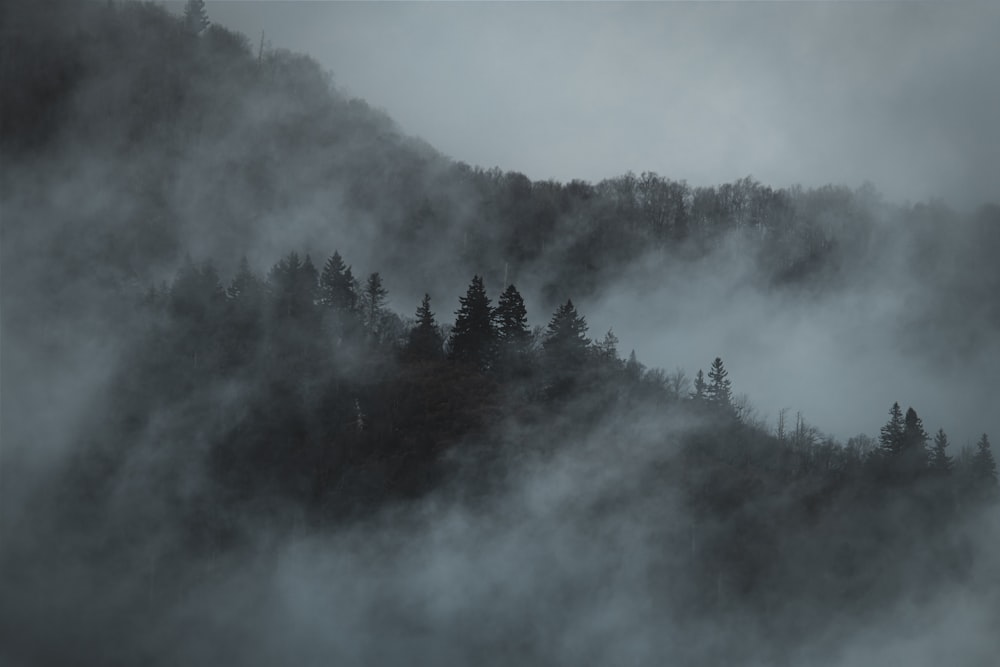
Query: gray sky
[[903, 94]]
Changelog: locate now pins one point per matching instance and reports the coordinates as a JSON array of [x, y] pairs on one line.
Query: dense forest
[[224, 442]]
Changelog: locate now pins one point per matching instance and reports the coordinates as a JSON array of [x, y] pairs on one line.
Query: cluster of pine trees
[[336, 375]]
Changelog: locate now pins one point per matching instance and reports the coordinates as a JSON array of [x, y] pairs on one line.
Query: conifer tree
[[940, 463], [914, 445], [633, 369], [337, 288], [566, 341], [891, 435], [425, 340], [512, 318], [195, 16], [984, 467], [245, 285], [473, 338], [700, 387], [719, 392], [513, 334], [373, 304]]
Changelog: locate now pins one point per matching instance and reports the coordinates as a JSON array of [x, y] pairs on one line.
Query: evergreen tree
[[425, 340], [373, 305], [608, 348], [719, 392], [473, 338], [245, 285], [195, 16], [513, 334], [292, 283], [337, 289], [940, 463], [566, 341], [512, 318], [700, 387], [914, 445], [891, 435], [633, 369], [984, 467]]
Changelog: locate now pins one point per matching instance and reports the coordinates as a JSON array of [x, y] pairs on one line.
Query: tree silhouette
[[473, 338], [337, 288], [891, 435], [913, 455], [195, 16], [719, 392], [700, 387], [566, 339], [425, 341], [984, 467], [940, 463], [373, 305]]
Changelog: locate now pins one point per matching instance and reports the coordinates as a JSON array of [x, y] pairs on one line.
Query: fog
[[811, 92], [564, 533], [840, 359]]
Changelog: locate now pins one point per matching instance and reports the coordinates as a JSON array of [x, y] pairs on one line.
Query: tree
[[607, 349], [473, 338], [513, 334], [195, 16], [633, 369], [719, 392], [984, 467], [891, 435], [425, 340], [293, 284], [700, 387], [373, 304], [566, 342], [245, 285], [336, 285], [914, 445], [940, 463], [512, 318]]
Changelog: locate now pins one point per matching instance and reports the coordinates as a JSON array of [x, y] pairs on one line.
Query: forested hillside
[[244, 422]]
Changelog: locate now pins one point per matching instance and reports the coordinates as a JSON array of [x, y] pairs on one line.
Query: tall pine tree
[[425, 341], [719, 392], [473, 338]]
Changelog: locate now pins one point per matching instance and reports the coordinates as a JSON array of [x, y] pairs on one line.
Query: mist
[[210, 454]]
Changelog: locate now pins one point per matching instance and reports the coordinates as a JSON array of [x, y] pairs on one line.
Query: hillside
[[243, 421]]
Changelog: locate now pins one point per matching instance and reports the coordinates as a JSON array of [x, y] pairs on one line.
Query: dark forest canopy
[[252, 312]]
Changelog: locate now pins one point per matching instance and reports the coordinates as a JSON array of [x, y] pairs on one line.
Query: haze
[[896, 93]]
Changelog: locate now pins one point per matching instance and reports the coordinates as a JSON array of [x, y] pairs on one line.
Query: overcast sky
[[903, 94]]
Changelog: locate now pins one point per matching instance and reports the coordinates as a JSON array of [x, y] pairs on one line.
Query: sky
[[901, 94]]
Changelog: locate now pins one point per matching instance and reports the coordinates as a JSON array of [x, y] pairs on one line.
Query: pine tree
[[566, 341], [608, 348], [293, 285], [337, 290], [984, 467], [512, 318], [513, 334], [700, 387], [891, 435], [195, 16], [633, 369], [914, 445], [245, 285], [719, 392], [473, 338], [373, 304], [425, 340], [940, 463]]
